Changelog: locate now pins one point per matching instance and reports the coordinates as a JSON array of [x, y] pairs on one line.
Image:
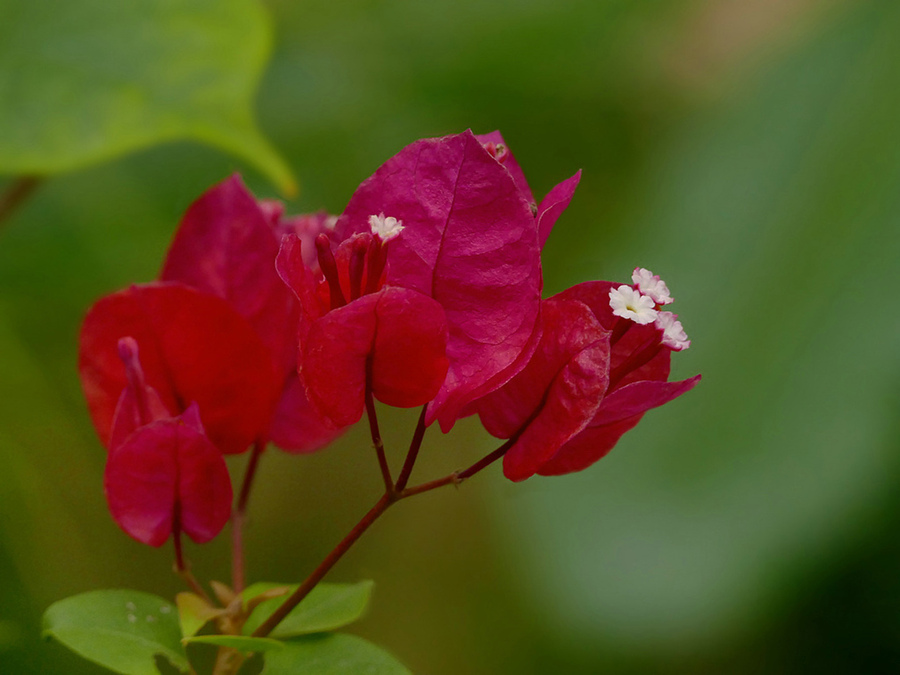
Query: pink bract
[[638, 382], [194, 347], [470, 242], [167, 477], [226, 245], [391, 339], [558, 392]]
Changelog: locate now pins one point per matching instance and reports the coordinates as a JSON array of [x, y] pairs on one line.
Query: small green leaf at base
[[327, 607], [119, 629], [332, 654], [242, 643]]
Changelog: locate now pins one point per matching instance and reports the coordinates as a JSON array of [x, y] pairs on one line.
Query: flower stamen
[[329, 269]]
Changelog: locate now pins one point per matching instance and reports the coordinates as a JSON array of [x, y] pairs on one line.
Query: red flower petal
[[409, 361], [556, 395], [297, 426], [639, 397], [509, 163], [470, 242], [226, 246], [194, 348], [168, 474], [588, 447], [403, 333], [552, 206]]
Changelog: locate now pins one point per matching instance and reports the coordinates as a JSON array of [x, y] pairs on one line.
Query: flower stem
[[330, 560], [413, 453], [376, 433], [238, 517], [183, 570], [17, 192], [391, 496]]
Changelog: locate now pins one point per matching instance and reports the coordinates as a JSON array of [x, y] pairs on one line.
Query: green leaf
[[194, 612], [86, 81], [333, 654], [120, 629], [239, 642], [327, 607]]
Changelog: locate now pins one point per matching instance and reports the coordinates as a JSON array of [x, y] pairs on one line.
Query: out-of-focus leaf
[[776, 222], [121, 630], [327, 607], [194, 612], [333, 654], [85, 81], [240, 642]]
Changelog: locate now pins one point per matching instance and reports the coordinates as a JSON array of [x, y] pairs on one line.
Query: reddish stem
[[17, 192], [330, 560], [181, 567], [413, 453], [238, 517], [374, 513], [376, 433]]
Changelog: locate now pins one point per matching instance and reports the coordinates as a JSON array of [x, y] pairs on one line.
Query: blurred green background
[[748, 151]]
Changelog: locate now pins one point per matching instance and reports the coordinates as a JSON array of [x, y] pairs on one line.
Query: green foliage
[[334, 654], [87, 80], [240, 642], [126, 631], [119, 629], [327, 607]]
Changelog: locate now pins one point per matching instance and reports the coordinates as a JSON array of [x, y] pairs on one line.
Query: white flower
[[385, 228], [650, 284], [630, 304], [674, 336]]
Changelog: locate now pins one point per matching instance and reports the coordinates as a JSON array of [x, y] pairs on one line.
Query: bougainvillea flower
[[226, 245], [195, 348], [357, 333], [557, 394], [611, 395], [471, 242], [163, 475]]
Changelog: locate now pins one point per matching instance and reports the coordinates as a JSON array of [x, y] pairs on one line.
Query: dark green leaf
[[327, 607], [334, 654], [120, 629], [82, 82]]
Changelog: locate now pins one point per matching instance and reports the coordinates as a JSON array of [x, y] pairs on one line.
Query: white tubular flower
[[630, 304], [674, 336], [650, 284], [385, 228]]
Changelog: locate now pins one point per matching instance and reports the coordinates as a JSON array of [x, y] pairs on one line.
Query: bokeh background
[[746, 150]]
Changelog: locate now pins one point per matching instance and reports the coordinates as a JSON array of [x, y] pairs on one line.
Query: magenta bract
[[470, 242], [390, 339], [226, 245], [165, 477], [638, 382], [591, 379], [558, 392], [194, 347]]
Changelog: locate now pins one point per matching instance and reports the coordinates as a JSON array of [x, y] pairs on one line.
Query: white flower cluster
[[642, 304]]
